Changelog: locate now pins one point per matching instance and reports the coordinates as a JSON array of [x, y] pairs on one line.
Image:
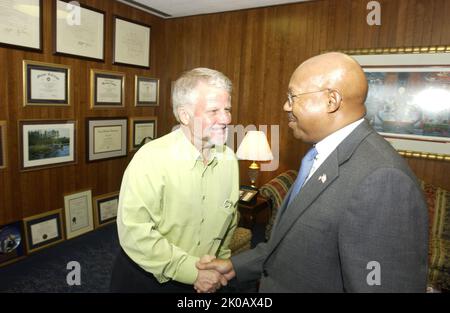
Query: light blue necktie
[[305, 168]]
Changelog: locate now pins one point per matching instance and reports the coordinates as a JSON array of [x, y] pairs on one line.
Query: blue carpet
[[45, 271]]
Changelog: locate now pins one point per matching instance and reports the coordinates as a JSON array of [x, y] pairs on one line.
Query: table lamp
[[254, 147]]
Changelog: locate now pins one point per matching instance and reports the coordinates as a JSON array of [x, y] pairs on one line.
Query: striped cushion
[[275, 190], [438, 202]]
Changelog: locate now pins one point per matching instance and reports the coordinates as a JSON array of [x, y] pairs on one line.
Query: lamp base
[[253, 171]]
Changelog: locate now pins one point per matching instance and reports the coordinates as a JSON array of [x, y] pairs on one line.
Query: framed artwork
[[21, 24], [3, 145], [78, 213], [131, 43], [146, 91], [78, 31], [12, 243], [105, 208], [107, 138], [409, 101], [107, 89], [43, 230], [142, 130], [47, 143], [46, 84]]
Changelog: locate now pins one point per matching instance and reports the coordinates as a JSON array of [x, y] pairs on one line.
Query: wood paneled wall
[[23, 194], [260, 48]]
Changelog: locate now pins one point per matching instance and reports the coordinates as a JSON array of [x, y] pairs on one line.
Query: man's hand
[[223, 266], [209, 281]]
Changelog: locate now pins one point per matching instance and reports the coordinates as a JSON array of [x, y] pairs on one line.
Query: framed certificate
[[107, 138], [131, 45], [47, 143], [12, 243], [43, 230], [142, 130], [107, 89], [146, 91], [78, 31], [78, 213], [3, 145], [21, 24], [105, 208], [46, 84]]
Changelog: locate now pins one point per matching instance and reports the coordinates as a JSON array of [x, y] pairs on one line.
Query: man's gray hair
[[184, 87]]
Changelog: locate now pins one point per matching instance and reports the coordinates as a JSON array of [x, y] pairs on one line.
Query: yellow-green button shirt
[[173, 209]]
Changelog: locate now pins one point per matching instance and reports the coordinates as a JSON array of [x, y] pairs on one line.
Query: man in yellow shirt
[[179, 194]]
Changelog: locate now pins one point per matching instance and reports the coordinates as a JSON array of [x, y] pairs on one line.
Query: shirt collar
[[329, 143]]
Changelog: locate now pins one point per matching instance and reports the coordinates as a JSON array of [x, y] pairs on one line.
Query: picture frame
[[81, 36], [21, 25], [47, 143], [43, 230], [401, 84], [3, 145], [78, 213], [142, 129], [131, 43], [247, 194], [107, 138], [105, 208], [12, 243], [146, 91], [46, 84], [107, 89]]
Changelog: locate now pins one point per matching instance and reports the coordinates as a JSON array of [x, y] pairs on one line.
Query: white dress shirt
[[327, 145]]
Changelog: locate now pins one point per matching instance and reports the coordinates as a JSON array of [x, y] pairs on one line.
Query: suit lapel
[[314, 187]]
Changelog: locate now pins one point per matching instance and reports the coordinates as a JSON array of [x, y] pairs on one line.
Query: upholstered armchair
[[241, 240]]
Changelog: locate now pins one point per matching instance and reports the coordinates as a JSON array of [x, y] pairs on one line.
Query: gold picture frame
[[428, 135], [146, 91], [46, 84], [142, 130], [43, 230], [78, 213], [107, 89], [105, 208]]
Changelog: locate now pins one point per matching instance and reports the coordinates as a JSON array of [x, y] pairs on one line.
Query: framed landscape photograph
[[107, 138], [81, 35], [131, 43], [78, 213], [12, 243], [3, 145], [21, 24], [146, 91], [409, 101], [142, 129], [46, 84], [105, 208], [47, 143], [107, 89], [43, 230]]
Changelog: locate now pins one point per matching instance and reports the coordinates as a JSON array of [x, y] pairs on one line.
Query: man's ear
[[183, 115], [334, 101]]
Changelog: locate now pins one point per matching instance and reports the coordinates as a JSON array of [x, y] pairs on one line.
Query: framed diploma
[[12, 243], [21, 24], [78, 213], [43, 230], [47, 143], [46, 84], [79, 31], [105, 208], [107, 89], [107, 138], [131, 44], [3, 145], [146, 91], [142, 130]]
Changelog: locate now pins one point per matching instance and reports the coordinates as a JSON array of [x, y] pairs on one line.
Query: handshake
[[213, 274]]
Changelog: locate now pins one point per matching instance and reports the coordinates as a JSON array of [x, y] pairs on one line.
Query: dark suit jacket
[[370, 208]]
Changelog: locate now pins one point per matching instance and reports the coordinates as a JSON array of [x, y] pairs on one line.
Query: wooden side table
[[256, 213]]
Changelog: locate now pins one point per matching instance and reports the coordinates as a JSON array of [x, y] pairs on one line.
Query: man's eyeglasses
[[291, 96]]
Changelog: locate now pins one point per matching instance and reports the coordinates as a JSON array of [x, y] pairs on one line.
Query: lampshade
[[254, 147]]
